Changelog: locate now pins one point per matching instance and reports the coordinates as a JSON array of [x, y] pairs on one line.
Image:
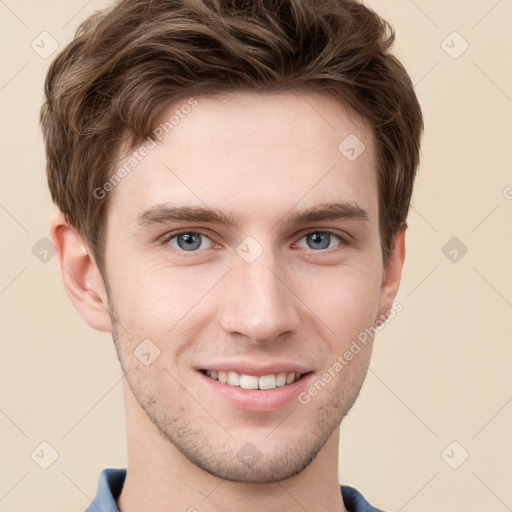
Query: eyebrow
[[163, 213]]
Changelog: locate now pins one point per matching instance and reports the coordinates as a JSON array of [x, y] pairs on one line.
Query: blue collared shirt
[[111, 480]]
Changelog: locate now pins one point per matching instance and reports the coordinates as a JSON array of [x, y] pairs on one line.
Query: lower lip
[[257, 400]]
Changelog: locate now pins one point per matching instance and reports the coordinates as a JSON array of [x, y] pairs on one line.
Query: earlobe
[[80, 275], [392, 273]]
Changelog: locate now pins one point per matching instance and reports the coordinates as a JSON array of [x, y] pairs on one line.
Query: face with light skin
[[315, 284]]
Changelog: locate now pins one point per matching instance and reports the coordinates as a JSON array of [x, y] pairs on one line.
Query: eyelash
[[344, 241]]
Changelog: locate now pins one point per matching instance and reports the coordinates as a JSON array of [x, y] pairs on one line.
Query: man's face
[[268, 294]]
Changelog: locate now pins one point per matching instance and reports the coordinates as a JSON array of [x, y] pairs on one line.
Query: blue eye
[[188, 240], [194, 241], [320, 239]]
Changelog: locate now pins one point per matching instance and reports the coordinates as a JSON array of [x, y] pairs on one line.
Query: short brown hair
[[109, 85]]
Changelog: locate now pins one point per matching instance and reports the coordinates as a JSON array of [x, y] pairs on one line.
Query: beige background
[[441, 371]]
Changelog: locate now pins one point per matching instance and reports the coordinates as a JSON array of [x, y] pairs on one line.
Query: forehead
[[251, 152]]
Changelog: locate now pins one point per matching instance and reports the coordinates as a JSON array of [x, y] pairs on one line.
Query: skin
[[260, 157]]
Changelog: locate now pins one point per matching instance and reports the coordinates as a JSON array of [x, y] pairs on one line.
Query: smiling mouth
[[263, 382]]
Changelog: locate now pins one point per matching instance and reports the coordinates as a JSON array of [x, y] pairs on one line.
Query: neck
[[160, 478]]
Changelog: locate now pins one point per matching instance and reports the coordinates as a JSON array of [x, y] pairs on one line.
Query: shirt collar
[[111, 480]]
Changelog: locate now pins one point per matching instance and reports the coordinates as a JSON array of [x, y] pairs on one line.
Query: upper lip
[[257, 369]]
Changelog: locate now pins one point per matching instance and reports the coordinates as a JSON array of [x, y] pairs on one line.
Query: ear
[[392, 273], [80, 275]]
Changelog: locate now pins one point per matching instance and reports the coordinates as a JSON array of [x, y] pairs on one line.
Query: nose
[[259, 302]]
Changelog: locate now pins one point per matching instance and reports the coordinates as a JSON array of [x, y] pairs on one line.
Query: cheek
[[346, 299], [157, 301]]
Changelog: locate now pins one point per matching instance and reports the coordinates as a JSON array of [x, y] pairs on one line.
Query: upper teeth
[[252, 381]]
